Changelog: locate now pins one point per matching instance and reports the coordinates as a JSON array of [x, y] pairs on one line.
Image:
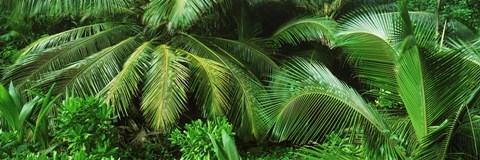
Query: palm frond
[[466, 138], [67, 36], [244, 86], [177, 14], [256, 57], [304, 97], [368, 40], [436, 143], [210, 83], [305, 29], [122, 89], [244, 114], [90, 75], [410, 77], [58, 51], [166, 87], [307, 93], [453, 84]]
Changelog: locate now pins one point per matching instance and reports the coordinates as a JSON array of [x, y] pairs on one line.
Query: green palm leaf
[[210, 83], [166, 87], [305, 29], [304, 98], [103, 66], [244, 114], [255, 57], [369, 40], [122, 89], [453, 84], [302, 83], [57, 51], [243, 86]]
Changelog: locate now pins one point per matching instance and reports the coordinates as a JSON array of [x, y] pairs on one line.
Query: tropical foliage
[[368, 82]]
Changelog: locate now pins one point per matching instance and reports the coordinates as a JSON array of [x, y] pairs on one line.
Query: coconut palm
[[161, 53], [398, 52]]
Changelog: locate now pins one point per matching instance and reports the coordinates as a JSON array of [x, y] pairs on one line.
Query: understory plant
[[195, 141], [85, 125], [27, 120]]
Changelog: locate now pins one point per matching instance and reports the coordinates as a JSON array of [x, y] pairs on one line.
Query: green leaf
[[305, 29], [166, 87], [122, 89]]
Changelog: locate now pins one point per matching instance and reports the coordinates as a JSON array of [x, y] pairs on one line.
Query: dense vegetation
[[239, 79]]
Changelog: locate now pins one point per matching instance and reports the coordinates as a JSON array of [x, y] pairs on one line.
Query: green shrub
[[84, 125], [195, 142], [10, 146]]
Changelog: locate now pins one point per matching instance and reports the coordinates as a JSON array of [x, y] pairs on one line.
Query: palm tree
[[163, 52], [400, 54]]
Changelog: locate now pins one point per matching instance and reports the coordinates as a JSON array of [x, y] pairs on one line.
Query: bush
[[10, 146], [195, 142], [84, 125]]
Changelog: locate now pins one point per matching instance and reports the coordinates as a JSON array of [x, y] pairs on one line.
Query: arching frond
[[92, 74], [306, 29], [58, 51], [67, 36], [244, 113], [210, 83], [177, 14], [243, 86], [166, 87], [367, 40], [304, 98], [124, 87], [257, 59]]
